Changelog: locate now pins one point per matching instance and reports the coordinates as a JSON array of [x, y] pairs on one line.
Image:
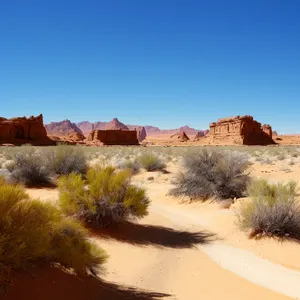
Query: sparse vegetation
[[281, 156], [272, 211], [106, 196], [64, 159], [212, 173], [29, 168], [132, 165], [34, 233], [151, 162]]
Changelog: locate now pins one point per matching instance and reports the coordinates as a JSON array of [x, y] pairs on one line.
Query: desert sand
[[182, 250]]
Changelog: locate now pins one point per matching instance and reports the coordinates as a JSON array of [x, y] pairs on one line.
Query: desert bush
[[212, 173], [132, 165], [106, 196], [272, 211], [151, 162], [281, 156], [30, 168], [64, 159], [34, 233]]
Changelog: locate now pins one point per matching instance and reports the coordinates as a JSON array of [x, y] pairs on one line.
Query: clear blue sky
[[161, 62]]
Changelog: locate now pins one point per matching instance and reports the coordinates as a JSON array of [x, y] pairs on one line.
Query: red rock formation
[[75, 137], [267, 129], [24, 130], [274, 133], [115, 124], [113, 137], [86, 127], [141, 132], [180, 136], [151, 129], [239, 130], [198, 135], [62, 128]]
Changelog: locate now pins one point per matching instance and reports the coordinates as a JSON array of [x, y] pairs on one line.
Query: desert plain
[[183, 249]]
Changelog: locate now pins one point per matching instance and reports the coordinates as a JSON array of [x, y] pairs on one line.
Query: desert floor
[[184, 250]]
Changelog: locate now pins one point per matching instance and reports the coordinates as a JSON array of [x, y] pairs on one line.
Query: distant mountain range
[[85, 127]]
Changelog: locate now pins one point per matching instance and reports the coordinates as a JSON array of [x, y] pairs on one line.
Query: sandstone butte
[[19, 131], [113, 137], [243, 130], [87, 127]]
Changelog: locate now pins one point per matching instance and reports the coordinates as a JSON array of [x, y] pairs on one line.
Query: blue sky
[[161, 62]]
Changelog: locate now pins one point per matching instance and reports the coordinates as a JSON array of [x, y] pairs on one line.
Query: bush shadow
[[159, 236], [53, 283]]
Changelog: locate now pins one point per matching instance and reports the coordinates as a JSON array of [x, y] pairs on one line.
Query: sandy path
[[184, 272], [241, 262]]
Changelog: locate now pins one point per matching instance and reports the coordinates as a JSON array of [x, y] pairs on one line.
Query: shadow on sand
[[54, 284], [159, 236]]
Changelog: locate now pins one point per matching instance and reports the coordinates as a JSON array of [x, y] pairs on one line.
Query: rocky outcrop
[[113, 137], [86, 127], [274, 133], [19, 131], [115, 124], [62, 128], [267, 129], [180, 136], [239, 130], [75, 137], [200, 134], [141, 132]]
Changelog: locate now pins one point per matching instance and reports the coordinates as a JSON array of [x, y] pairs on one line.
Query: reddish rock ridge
[[19, 131], [151, 129], [188, 130], [113, 137], [240, 130], [62, 128], [86, 127], [180, 136], [115, 124]]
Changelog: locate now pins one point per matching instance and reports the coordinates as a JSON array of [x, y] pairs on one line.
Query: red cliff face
[[24, 130], [267, 129], [141, 132], [113, 137], [240, 130]]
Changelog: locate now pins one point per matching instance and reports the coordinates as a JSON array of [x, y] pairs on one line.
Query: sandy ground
[[165, 139], [195, 250]]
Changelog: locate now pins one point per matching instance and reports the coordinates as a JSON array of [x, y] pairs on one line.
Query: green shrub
[[34, 233], [272, 211], [64, 159], [212, 173], [151, 162], [132, 165], [105, 197], [30, 168]]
